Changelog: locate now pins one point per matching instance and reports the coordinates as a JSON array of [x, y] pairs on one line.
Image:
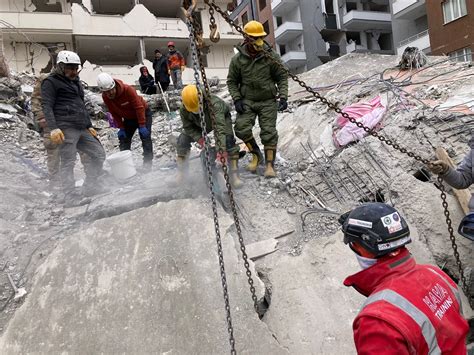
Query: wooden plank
[[464, 195]]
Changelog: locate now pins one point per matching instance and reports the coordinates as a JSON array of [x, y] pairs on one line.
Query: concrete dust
[[309, 309]]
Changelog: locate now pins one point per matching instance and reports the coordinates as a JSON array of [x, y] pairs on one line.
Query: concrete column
[[363, 40], [141, 50]]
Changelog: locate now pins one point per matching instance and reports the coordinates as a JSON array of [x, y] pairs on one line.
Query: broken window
[[385, 41], [353, 37], [47, 5], [108, 7]]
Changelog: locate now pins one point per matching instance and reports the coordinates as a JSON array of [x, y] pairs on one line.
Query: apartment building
[[110, 35], [244, 11], [309, 33], [436, 27]]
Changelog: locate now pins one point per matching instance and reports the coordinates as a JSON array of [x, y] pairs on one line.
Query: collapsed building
[[115, 36]]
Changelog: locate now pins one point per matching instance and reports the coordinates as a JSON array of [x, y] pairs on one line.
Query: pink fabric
[[369, 113]]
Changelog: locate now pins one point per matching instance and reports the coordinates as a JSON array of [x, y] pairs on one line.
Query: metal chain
[[371, 132], [230, 192], [194, 51]]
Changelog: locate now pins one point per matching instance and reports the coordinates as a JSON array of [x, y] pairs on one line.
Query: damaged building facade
[[115, 36], [309, 33]]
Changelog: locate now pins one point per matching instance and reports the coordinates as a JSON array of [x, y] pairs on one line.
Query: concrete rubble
[[79, 263]]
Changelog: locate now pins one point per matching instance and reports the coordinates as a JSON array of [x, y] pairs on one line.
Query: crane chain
[[220, 253], [230, 192], [371, 132]]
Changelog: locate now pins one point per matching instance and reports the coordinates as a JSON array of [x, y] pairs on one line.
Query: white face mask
[[365, 262]]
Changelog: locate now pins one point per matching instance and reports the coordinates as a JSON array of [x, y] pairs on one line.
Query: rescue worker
[[70, 124], [162, 73], [411, 308], [462, 177], [192, 132], [176, 65], [147, 82], [254, 83], [130, 112]]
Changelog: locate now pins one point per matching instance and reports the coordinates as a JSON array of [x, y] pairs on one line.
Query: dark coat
[[161, 70], [146, 83], [63, 103]]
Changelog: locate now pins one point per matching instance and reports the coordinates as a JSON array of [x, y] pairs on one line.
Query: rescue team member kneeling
[[411, 308], [130, 112]]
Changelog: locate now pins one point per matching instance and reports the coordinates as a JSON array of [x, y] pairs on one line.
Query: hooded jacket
[[161, 70], [410, 309], [463, 176], [146, 81], [63, 102], [256, 79], [127, 105]]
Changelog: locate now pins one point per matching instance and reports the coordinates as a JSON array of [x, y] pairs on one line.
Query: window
[[351, 6], [282, 49], [453, 9], [266, 27], [262, 4], [461, 55], [279, 21], [245, 18]]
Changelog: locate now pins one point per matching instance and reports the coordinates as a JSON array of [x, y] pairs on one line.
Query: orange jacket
[[127, 105], [175, 60]]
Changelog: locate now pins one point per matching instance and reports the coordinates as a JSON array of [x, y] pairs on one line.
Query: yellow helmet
[[254, 29], [190, 98]]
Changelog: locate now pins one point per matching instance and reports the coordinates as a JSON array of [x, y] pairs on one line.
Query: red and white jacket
[[410, 309]]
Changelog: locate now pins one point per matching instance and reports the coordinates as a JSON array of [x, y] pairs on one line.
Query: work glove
[[183, 68], [57, 136], [438, 167], [144, 132], [201, 142], [239, 106], [219, 158], [282, 105], [121, 134], [93, 132]]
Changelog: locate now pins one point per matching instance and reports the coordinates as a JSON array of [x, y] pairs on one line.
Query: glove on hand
[[121, 134], [201, 142], [219, 158], [239, 106], [144, 132], [57, 136], [438, 167], [282, 105], [93, 132]]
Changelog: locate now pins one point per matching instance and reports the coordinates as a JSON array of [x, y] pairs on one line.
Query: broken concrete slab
[[142, 282], [259, 249]]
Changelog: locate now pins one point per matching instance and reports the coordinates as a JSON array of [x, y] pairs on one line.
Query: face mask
[[365, 262]]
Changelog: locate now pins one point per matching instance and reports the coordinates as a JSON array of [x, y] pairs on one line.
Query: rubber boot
[[270, 153], [235, 180], [257, 157], [182, 161]]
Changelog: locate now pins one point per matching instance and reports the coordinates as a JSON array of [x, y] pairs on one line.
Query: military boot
[[257, 157], [235, 180], [182, 161], [270, 153]]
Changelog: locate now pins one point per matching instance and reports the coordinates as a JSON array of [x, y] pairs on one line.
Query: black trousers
[[130, 127]]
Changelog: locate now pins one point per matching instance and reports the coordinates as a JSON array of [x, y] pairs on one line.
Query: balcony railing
[[413, 38]]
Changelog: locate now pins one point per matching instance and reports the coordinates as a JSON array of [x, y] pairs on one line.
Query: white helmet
[[68, 57], [105, 82]]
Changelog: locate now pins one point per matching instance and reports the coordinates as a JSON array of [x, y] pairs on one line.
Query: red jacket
[[410, 309], [127, 105], [175, 60]]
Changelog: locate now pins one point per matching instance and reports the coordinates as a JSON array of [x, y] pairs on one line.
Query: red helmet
[[171, 43]]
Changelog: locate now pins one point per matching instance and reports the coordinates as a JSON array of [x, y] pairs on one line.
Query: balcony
[[330, 23], [38, 25], [358, 21], [357, 48], [294, 59], [289, 31], [282, 7], [408, 9], [420, 40]]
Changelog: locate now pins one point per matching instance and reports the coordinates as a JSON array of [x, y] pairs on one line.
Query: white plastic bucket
[[121, 165]]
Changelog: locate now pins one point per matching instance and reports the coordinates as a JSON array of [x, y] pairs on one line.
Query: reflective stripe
[[454, 289], [418, 316]]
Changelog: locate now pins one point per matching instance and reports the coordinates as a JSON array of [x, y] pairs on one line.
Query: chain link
[[371, 132], [195, 54]]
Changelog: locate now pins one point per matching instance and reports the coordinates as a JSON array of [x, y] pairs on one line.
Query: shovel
[[19, 292], [170, 114]]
